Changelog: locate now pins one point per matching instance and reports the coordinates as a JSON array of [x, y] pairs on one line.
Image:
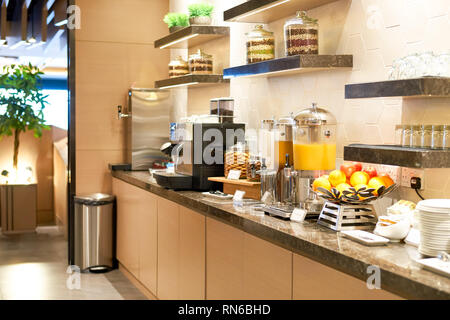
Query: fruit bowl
[[352, 196]]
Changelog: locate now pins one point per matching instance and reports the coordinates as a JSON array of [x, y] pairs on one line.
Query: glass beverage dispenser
[[314, 152]]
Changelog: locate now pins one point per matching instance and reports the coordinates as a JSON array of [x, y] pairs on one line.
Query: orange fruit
[[342, 187], [376, 183], [387, 180], [337, 177], [358, 178], [321, 182]]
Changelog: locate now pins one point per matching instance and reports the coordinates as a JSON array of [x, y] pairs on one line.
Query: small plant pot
[[175, 29], [200, 20]]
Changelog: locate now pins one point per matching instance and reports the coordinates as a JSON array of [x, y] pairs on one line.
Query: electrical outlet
[[408, 173], [394, 172]]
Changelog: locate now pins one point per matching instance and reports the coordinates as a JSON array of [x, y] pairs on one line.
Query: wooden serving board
[[252, 189]]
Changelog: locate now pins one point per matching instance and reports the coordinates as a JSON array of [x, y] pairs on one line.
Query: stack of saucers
[[434, 221]]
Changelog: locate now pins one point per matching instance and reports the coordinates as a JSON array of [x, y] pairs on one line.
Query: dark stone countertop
[[399, 273]]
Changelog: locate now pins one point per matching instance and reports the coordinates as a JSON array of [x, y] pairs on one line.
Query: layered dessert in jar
[[178, 67], [301, 35], [200, 63], [260, 45]]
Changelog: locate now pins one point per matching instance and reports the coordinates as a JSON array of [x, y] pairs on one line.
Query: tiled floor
[[34, 266]]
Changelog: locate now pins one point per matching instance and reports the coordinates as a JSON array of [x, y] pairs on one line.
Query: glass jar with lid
[[200, 63], [260, 45], [178, 67], [416, 136], [407, 136], [315, 140], [301, 35]]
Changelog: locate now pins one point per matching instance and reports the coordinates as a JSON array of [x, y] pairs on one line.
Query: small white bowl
[[394, 232]]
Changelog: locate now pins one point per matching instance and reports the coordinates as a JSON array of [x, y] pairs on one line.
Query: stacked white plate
[[434, 222]]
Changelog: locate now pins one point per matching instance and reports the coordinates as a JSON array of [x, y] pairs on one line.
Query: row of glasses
[[425, 64], [429, 136]]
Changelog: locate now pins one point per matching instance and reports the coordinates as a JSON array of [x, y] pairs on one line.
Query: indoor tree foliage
[[21, 103]]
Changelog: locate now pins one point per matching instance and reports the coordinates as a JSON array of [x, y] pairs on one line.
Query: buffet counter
[[311, 253]]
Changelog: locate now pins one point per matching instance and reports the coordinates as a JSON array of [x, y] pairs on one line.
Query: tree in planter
[[21, 104]]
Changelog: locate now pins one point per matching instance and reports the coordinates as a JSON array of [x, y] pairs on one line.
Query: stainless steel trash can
[[94, 232]]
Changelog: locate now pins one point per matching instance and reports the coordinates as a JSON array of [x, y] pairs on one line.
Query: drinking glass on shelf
[[444, 64], [398, 134], [437, 136], [426, 133], [416, 136], [407, 136], [412, 66], [446, 137], [424, 64]]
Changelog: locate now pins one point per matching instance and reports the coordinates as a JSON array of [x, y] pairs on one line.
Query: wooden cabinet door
[[313, 280], [192, 255], [267, 270], [148, 240], [127, 225], [224, 261], [168, 249]]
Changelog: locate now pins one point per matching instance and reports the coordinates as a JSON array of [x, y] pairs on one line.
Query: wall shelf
[[265, 11], [191, 36], [408, 88], [290, 65], [398, 156], [191, 80]]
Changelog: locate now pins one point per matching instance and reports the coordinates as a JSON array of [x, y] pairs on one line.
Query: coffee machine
[[199, 152], [314, 153]]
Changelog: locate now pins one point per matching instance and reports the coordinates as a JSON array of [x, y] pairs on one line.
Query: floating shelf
[[398, 156], [265, 11], [191, 80], [290, 65], [191, 36], [409, 88]]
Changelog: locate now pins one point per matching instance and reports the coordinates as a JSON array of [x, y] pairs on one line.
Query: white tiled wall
[[376, 32]]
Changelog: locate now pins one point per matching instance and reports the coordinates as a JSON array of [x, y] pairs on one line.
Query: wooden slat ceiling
[[27, 28]]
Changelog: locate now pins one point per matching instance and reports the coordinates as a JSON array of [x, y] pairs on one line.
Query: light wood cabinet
[[148, 240], [313, 280], [127, 225], [192, 255], [168, 249], [241, 266]]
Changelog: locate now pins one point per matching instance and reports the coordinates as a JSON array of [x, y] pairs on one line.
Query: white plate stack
[[434, 221]]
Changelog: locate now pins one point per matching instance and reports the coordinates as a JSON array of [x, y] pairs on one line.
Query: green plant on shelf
[[203, 9], [176, 19]]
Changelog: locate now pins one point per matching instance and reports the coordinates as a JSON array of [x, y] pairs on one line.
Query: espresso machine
[[314, 154]]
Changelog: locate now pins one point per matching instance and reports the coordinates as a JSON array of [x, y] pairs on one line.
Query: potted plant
[[200, 13], [176, 21], [21, 109]]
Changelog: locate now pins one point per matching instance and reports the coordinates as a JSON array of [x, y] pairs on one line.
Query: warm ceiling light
[[179, 40], [260, 10]]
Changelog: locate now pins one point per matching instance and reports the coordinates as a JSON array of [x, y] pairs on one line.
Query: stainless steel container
[[146, 126], [94, 232]]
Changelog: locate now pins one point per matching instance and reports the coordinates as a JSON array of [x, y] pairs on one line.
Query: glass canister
[[200, 63], [236, 158], [285, 141], [178, 67], [315, 140], [446, 137], [260, 45], [301, 35], [407, 136]]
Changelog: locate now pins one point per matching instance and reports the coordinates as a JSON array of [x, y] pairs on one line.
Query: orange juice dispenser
[[314, 153]]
